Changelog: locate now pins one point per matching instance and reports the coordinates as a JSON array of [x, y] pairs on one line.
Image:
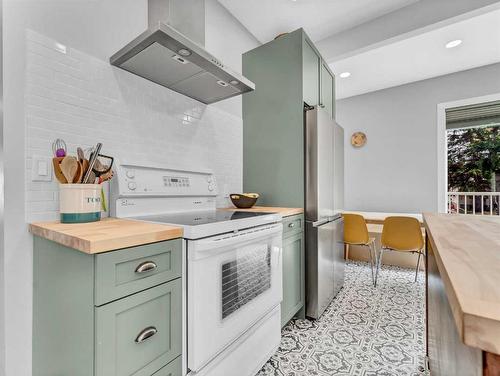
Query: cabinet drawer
[[127, 271], [174, 368], [138, 335], [293, 225]]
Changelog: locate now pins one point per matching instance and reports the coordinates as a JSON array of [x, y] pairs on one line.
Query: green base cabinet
[[117, 313], [174, 368], [293, 268]]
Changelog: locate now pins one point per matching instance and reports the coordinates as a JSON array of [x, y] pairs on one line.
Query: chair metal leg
[[379, 265], [418, 264], [370, 249]]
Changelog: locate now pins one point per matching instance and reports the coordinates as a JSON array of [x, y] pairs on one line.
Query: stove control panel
[[136, 180], [176, 181]]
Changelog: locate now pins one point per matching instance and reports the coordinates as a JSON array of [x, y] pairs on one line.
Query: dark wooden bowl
[[244, 200]]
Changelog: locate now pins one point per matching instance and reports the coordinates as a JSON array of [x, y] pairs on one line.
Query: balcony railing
[[480, 203]]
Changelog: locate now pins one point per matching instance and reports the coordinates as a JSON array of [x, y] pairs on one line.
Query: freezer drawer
[[324, 265]]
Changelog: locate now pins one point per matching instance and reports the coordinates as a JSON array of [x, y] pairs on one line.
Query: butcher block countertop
[[467, 251], [285, 212], [106, 235]]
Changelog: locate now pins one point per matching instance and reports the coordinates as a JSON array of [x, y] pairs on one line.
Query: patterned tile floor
[[364, 332]]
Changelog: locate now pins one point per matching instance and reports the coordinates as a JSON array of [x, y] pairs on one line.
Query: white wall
[[79, 97], [396, 171], [225, 36]]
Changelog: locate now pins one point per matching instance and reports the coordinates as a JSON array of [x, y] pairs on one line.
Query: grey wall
[[396, 171]]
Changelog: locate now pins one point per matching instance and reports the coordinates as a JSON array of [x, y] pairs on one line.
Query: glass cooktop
[[200, 218]]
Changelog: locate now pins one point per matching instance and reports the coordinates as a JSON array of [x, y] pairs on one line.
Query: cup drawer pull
[[145, 334], [145, 267], [291, 225]]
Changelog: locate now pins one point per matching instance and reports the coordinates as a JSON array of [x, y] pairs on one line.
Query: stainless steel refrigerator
[[325, 267]]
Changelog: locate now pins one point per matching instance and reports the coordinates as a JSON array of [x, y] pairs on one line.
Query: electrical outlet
[[41, 168]]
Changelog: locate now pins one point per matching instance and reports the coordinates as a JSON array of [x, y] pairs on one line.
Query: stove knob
[[209, 179], [130, 174], [210, 187], [132, 186]]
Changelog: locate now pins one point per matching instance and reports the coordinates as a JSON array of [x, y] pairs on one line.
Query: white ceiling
[[422, 56], [320, 18]]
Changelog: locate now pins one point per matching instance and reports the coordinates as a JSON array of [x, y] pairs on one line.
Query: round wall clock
[[358, 139]]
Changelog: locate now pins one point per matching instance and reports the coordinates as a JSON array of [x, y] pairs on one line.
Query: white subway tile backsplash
[[84, 100], [46, 196]]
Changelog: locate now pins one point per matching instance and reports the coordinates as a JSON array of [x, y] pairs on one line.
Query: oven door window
[[245, 278]]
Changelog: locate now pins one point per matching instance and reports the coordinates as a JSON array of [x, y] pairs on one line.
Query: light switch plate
[[41, 168]]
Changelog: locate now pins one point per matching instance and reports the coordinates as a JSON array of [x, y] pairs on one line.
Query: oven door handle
[[226, 240], [276, 257]]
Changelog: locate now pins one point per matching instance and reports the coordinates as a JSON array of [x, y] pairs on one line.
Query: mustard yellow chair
[[356, 233], [401, 234]]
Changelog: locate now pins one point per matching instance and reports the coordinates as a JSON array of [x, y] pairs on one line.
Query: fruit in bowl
[[244, 200]]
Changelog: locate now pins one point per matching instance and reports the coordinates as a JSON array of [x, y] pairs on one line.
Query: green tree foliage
[[473, 158]]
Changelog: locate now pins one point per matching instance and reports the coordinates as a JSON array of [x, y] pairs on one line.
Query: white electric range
[[232, 262]]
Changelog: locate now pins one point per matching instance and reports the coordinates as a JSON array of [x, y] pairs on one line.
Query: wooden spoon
[[79, 173], [69, 168], [57, 170]]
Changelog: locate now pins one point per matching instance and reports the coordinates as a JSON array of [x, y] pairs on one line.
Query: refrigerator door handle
[[321, 222]]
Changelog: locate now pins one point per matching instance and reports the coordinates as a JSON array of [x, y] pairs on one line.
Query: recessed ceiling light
[[345, 74], [453, 43], [184, 52], [60, 47]]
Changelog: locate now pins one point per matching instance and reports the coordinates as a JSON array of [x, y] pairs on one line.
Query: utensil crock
[[80, 203]]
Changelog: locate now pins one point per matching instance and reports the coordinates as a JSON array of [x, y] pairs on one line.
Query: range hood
[[164, 55]]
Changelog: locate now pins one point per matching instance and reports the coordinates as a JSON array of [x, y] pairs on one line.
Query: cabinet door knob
[[145, 334], [145, 267]]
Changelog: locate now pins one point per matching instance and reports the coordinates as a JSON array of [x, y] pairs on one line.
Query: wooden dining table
[[379, 217]]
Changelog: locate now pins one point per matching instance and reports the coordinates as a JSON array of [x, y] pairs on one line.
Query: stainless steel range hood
[[165, 56]]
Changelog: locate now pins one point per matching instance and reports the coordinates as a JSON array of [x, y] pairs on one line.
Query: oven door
[[233, 281]]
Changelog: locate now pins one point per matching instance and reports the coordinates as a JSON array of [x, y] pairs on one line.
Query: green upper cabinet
[[287, 72], [318, 81], [310, 61], [327, 97]]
